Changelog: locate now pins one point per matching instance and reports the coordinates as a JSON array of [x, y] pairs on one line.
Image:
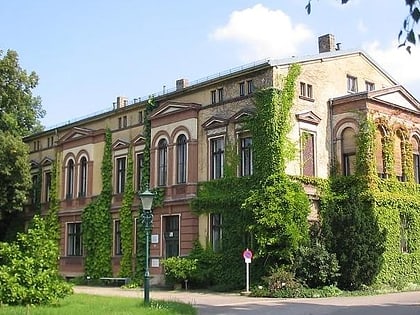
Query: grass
[[84, 304]]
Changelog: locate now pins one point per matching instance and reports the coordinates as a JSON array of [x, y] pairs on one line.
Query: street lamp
[[147, 216]]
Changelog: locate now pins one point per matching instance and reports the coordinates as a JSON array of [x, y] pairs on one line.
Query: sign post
[[247, 255]]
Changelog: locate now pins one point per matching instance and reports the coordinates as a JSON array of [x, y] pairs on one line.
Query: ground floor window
[[74, 239]]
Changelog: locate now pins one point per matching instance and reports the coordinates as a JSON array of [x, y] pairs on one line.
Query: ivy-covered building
[[191, 129]]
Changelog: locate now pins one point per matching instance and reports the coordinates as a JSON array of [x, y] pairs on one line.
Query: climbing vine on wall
[[126, 219], [97, 222], [267, 207], [52, 220]]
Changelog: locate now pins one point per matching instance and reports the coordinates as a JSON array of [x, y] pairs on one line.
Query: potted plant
[[178, 270]]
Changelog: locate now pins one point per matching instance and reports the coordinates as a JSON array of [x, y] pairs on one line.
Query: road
[[407, 303]]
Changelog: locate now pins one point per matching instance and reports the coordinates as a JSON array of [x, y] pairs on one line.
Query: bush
[[178, 269], [316, 267], [29, 270], [281, 279]]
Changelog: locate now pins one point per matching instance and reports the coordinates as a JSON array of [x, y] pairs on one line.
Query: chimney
[[122, 102], [326, 43], [181, 84]]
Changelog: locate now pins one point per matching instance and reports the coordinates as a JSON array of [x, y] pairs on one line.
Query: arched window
[[70, 179], [83, 177], [379, 138], [416, 159], [348, 149], [181, 156], [398, 155], [162, 161]]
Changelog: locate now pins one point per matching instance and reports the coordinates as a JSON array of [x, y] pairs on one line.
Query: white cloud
[[397, 61], [261, 33]]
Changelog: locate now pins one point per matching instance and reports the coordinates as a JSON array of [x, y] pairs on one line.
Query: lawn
[[83, 304]]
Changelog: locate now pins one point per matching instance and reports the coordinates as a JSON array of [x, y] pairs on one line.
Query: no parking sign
[[247, 255]]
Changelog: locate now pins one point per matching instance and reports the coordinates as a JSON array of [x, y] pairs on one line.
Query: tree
[[406, 36], [20, 112]]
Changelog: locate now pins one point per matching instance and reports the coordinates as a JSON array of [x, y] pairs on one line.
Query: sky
[[88, 52]]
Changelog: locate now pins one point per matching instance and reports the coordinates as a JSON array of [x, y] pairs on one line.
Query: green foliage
[[208, 266], [20, 110], [145, 181], [280, 210], [97, 222], [126, 219], [52, 221], [281, 278], [29, 268], [351, 231], [178, 269], [270, 126], [315, 266], [15, 178]]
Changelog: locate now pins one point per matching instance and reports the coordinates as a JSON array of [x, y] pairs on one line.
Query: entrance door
[[171, 236]]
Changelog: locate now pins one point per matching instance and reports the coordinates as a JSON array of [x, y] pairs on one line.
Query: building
[[189, 131]]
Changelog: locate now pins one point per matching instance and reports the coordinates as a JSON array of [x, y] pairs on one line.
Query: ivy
[[126, 219], [97, 222], [268, 212], [145, 180], [52, 220]]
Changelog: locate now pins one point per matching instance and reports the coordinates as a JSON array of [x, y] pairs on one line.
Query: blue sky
[[88, 52]]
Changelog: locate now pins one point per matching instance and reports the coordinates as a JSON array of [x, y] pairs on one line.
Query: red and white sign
[[247, 255]]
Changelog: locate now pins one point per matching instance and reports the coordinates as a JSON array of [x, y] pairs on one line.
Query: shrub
[[316, 266], [29, 270], [280, 279], [179, 269]]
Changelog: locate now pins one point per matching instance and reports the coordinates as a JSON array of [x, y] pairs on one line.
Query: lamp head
[[146, 198]]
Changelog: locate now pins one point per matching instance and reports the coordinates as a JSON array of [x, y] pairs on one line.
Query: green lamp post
[[146, 200]]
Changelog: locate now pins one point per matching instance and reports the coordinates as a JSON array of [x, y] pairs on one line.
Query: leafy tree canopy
[[407, 35], [20, 112]]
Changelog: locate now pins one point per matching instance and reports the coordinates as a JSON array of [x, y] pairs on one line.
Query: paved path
[[407, 303]]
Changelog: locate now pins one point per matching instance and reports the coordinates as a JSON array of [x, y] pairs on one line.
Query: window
[[70, 179], [404, 233], [213, 97], [351, 84], [348, 148], [50, 142], [47, 186], [120, 175], [141, 117], [220, 94], [399, 156], [35, 190], [216, 231], [369, 86], [306, 90], [83, 177], [308, 154], [162, 162], [246, 156], [416, 159], [74, 239], [250, 86], [119, 122], [181, 152], [379, 156], [140, 161], [241, 88], [217, 147], [117, 238], [125, 121]]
